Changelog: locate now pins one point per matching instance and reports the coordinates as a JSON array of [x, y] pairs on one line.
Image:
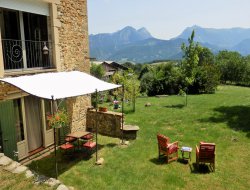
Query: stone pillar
[[74, 52]]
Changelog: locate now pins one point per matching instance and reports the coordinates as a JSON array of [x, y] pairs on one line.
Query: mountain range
[[139, 46]]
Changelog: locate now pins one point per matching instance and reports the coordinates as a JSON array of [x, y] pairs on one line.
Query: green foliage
[[130, 82], [190, 60], [161, 79], [199, 71], [233, 67], [59, 119], [97, 71]]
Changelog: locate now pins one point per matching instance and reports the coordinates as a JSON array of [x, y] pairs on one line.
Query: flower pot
[[57, 126], [116, 106], [103, 109]]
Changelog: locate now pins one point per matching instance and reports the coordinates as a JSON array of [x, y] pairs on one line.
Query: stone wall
[[109, 123], [74, 52], [6, 90]]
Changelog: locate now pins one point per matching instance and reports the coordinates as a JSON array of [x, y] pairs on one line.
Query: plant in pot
[[59, 119], [116, 104]]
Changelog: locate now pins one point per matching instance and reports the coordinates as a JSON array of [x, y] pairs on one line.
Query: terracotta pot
[[103, 109]]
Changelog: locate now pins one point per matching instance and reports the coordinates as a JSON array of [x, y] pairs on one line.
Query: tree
[[190, 61], [97, 71], [130, 82], [161, 79], [232, 66], [207, 76]]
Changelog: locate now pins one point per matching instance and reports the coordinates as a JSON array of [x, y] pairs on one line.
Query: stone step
[[4, 161], [1, 154], [12, 166]]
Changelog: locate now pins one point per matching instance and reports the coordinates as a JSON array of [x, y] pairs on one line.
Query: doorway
[[33, 122]]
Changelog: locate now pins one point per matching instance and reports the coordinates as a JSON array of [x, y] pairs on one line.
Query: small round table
[[188, 150]]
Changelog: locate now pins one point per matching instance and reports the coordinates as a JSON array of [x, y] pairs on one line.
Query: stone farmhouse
[[37, 37], [110, 67]]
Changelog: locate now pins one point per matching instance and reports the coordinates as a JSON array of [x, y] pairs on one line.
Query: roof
[[111, 63], [60, 84]]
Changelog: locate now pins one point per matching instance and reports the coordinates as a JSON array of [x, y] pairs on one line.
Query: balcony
[[19, 55]]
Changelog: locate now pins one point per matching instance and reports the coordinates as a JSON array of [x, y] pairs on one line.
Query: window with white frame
[[25, 36]]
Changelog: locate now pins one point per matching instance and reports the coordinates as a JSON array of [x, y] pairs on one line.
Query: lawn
[[10, 181], [222, 118]]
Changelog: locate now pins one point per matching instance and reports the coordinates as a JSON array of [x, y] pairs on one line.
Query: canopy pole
[[53, 112], [122, 113], [96, 128]]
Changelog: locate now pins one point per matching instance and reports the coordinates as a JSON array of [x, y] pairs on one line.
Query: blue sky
[[165, 19]]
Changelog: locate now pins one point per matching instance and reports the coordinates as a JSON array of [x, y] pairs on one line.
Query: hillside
[[129, 44]]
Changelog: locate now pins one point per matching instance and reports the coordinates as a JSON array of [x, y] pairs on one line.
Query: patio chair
[[70, 139], [170, 150], [90, 144], [205, 154], [87, 137], [67, 147]]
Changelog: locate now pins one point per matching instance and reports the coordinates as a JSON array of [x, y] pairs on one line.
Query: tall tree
[[190, 61]]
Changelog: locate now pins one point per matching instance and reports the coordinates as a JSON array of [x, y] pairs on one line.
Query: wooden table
[[78, 135]]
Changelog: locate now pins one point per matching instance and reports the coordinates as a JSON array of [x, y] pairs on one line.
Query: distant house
[[38, 37], [110, 67]]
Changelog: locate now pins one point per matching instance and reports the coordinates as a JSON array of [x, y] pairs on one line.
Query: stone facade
[[69, 29], [72, 25], [109, 123], [6, 90]]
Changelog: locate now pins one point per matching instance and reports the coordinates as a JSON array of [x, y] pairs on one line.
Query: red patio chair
[[90, 145], [70, 139], [87, 137], [170, 150], [67, 147], [205, 154]]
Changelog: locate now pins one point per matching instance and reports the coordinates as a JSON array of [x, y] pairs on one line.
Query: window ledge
[[26, 72]]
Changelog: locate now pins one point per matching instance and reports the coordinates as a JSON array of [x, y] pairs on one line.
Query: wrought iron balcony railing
[[18, 54]]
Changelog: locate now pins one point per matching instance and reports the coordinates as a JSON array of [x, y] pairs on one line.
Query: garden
[[221, 118]]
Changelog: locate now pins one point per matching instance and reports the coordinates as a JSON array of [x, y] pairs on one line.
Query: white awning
[[59, 85]]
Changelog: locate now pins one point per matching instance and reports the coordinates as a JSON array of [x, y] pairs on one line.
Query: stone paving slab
[[4, 161], [29, 174], [19, 169], [52, 182], [62, 187], [12, 166]]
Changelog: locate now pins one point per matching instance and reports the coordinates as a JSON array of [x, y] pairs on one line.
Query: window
[[25, 40]]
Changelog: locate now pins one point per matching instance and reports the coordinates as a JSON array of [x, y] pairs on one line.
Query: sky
[[166, 19]]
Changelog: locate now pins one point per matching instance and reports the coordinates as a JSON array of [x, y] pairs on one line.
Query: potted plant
[[59, 119], [116, 104]]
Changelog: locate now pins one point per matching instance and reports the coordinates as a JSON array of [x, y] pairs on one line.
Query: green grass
[[222, 118], [10, 181]]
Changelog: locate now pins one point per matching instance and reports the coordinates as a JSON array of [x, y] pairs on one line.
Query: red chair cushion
[[70, 139], [67, 146], [89, 144], [87, 137]]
